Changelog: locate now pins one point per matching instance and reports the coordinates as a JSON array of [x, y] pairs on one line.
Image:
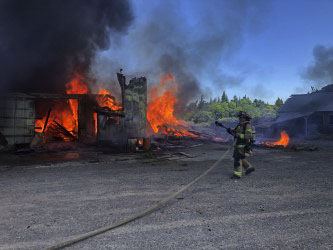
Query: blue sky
[[284, 48], [268, 54]]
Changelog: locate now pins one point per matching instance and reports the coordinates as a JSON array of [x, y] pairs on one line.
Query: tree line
[[225, 110]]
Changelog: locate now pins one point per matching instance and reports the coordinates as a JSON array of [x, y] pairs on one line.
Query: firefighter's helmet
[[243, 114]]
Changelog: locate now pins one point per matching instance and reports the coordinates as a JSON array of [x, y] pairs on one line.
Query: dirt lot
[[285, 204]]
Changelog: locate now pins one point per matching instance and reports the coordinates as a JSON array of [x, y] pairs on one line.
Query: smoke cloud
[[43, 42], [189, 39], [320, 73]]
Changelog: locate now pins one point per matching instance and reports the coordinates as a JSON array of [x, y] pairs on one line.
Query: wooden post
[[146, 144]]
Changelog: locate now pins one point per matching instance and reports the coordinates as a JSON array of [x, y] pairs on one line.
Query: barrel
[[17, 118]]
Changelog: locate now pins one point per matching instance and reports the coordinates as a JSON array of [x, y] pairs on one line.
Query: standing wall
[[17, 118]]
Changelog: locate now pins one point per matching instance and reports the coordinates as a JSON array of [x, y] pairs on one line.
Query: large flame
[[65, 113], [76, 86], [62, 114], [160, 111], [104, 99], [284, 140]]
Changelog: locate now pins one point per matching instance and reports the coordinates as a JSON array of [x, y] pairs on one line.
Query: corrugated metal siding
[[17, 118]]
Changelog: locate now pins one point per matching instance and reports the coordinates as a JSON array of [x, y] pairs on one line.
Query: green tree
[[279, 103], [218, 110], [202, 103], [206, 113], [203, 117], [224, 97], [235, 99]]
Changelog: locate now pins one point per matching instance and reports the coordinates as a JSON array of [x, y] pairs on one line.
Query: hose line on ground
[[145, 212]]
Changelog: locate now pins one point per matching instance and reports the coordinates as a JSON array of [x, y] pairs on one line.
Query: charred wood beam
[[60, 96], [108, 112], [47, 120], [122, 83], [63, 130]]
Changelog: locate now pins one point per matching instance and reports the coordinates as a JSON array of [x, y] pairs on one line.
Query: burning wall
[[117, 126]]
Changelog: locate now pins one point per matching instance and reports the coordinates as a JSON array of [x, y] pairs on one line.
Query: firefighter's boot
[[249, 170], [235, 177]]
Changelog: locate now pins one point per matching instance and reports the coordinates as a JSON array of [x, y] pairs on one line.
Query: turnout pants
[[239, 161]]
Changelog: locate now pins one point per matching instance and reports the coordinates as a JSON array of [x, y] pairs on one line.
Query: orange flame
[[95, 121], [104, 99], [76, 86], [284, 140], [160, 111], [66, 114], [139, 142], [62, 114]]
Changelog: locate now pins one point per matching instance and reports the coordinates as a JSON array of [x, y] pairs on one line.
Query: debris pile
[[302, 147]]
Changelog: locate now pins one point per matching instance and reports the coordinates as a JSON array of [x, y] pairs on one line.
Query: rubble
[[302, 147], [187, 155], [290, 147]]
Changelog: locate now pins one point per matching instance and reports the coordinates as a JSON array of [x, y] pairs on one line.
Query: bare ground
[[285, 204]]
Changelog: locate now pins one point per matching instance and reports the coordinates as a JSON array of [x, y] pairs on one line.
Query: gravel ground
[[285, 204]]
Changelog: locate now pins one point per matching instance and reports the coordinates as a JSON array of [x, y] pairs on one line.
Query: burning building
[[305, 114], [79, 115], [76, 115]]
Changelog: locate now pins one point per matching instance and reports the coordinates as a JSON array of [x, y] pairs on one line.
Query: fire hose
[[141, 214]]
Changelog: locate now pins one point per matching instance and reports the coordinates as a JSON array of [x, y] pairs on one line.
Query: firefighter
[[244, 137]]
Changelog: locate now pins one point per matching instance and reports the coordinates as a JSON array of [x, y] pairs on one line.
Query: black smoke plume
[[320, 72], [44, 42]]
